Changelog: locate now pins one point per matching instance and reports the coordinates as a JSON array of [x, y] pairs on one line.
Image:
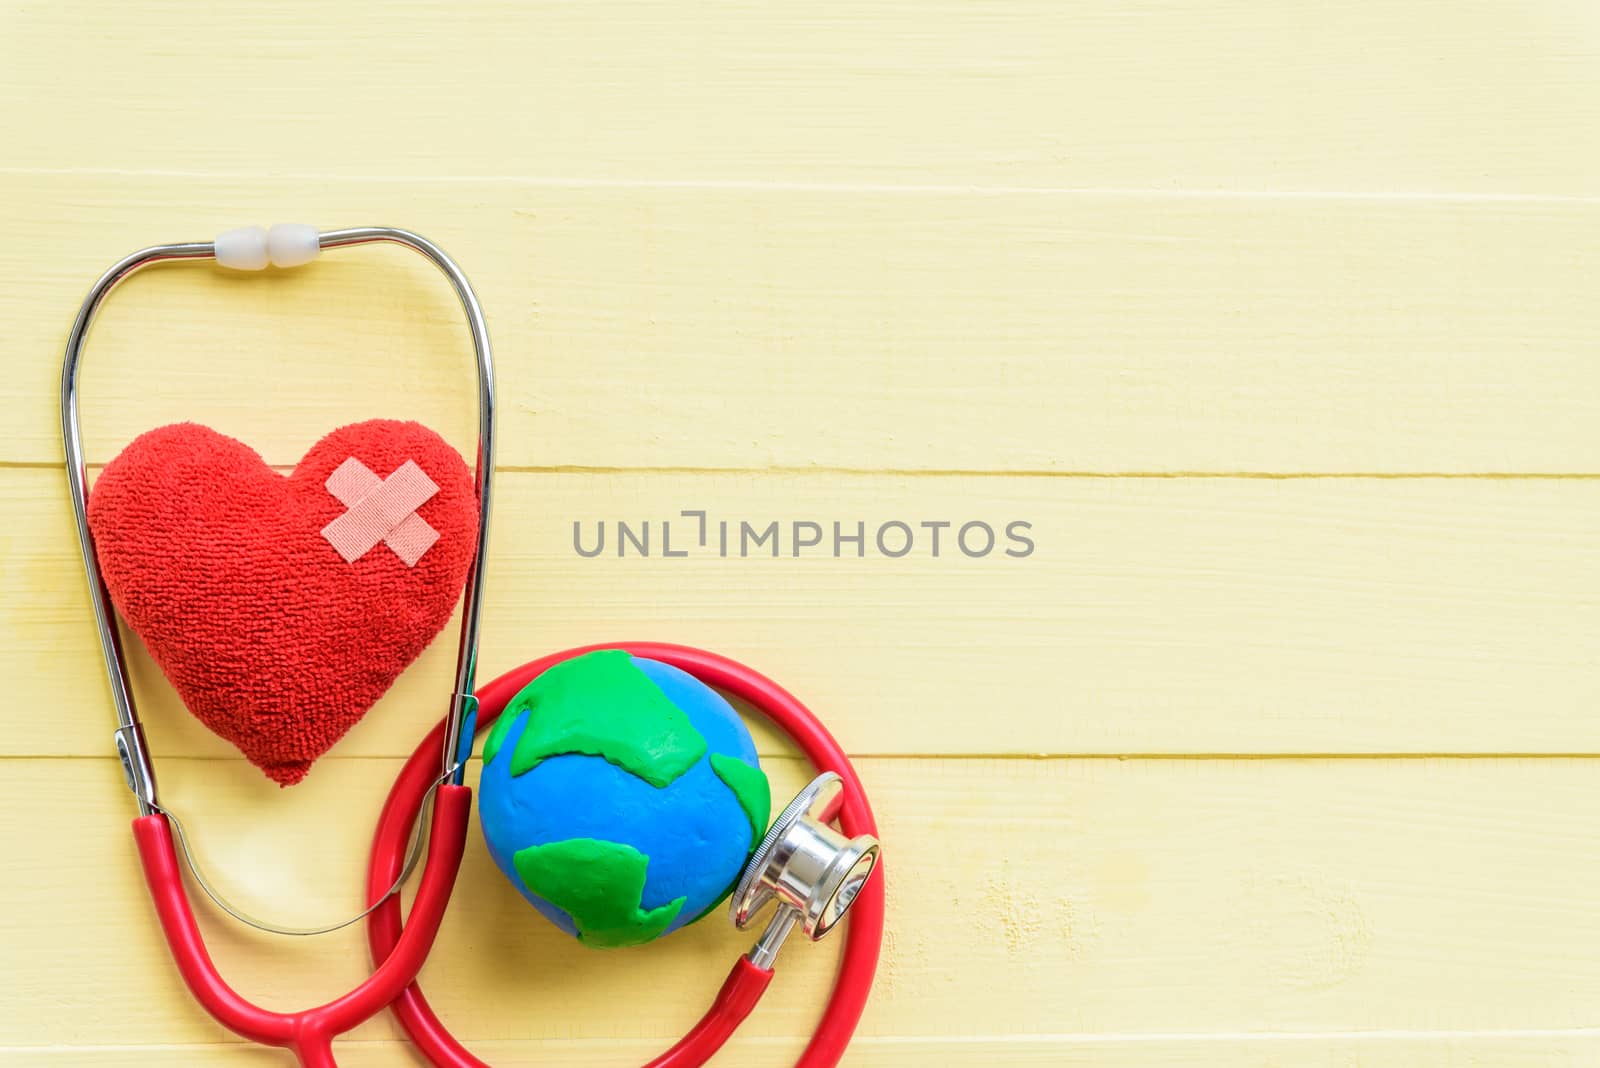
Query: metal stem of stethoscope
[[132, 749]]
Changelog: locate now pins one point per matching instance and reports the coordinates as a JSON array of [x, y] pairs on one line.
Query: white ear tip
[[292, 244], [244, 249]]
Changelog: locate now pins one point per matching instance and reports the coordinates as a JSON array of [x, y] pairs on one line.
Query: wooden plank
[[1419, 96], [750, 329], [1024, 1051], [1102, 897], [1154, 616]]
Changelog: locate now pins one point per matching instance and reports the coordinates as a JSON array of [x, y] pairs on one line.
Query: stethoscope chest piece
[[810, 869]]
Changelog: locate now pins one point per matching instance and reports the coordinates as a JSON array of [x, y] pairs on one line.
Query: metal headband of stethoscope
[[132, 749]]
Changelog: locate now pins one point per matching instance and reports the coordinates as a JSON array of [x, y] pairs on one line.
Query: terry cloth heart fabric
[[282, 607]]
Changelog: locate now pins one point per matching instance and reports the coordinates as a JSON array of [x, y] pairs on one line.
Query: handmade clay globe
[[622, 797]]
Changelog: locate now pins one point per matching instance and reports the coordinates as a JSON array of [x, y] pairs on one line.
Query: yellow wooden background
[[1278, 320]]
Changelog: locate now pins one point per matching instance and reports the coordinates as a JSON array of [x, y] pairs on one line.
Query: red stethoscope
[[813, 872]]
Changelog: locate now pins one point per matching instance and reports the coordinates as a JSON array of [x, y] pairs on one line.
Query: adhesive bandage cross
[[380, 510]]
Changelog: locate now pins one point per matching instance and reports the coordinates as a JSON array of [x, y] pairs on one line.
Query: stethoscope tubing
[[309, 1033], [386, 930]]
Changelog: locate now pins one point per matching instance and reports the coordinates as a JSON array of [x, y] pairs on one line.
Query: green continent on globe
[[750, 786], [600, 704], [599, 884]]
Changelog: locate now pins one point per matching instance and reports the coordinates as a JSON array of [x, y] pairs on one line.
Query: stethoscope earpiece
[[810, 869]]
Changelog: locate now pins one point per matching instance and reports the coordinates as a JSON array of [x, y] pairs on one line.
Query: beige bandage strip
[[381, 510]]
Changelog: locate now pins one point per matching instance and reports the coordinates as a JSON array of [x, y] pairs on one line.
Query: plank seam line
[[958, 472], [1040, 1038], [1121, 758], [751, 185], [1375, 1035]]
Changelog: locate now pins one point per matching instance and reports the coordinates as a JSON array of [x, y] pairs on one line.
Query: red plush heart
[[221, 565]]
